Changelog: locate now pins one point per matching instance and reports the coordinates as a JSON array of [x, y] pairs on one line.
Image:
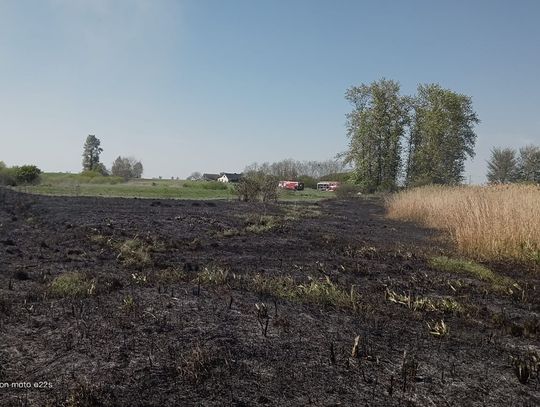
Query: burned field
[[130, 302]]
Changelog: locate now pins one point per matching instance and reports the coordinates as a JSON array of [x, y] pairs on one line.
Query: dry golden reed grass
[[486, 222]]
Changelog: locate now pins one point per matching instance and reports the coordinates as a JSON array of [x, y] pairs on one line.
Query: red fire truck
[[291, 185]]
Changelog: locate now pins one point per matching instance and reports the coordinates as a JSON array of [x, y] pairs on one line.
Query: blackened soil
[[153, 332]]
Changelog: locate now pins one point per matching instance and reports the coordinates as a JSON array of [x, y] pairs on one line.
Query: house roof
[[231, 176], [212, 177]]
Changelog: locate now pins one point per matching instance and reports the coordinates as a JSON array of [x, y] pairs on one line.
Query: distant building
[[229, 177], [210, 177]]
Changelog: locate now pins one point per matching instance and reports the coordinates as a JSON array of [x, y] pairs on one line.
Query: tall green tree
[[529, 164], [442, 136], [91, 153], [375, 128], [502, 166]]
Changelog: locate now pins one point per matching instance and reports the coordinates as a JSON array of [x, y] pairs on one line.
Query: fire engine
[[291, 185], [327, 186]]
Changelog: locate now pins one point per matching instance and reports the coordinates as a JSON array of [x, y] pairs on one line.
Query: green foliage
[[472, 269], [101, 169], [325, 292], [375, 128], [65, 180], [27, 174], [78, 185], [24, 175], [72, 284], [321, 292], [440, 135], [502, 166], [215, 275], [214, 185], [8, 176], [91, 153], [211, 185], [441, 138]]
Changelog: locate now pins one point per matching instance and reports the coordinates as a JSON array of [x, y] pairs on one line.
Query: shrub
[[257, 186], [247, 189], [347, 191], [8, 177], [27, 174]]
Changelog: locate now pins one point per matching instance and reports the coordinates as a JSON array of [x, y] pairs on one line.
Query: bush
[[256, 186], [27, 174], [8, 177], [247, 189], [347, 191]]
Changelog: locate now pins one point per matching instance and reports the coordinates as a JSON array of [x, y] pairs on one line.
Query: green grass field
[[77, 185]]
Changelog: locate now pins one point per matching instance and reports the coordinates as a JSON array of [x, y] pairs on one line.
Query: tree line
[[289, 169], [401, 140], [125, 167], [308, 172], [506, 165]]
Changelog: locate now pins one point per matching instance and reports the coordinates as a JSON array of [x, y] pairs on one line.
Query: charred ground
[[130, 302]]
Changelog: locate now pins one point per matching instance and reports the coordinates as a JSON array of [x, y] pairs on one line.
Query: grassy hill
[[64, 184]]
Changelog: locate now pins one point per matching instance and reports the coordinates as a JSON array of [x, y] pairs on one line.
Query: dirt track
[[144, 338]]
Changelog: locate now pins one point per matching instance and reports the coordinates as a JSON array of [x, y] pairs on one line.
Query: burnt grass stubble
[[139, 337]]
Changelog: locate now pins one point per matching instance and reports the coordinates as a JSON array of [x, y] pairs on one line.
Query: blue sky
[[211, 86]]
